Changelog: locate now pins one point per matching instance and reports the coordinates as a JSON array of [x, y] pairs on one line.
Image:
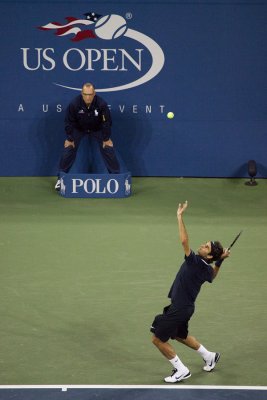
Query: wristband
[[218, 263]]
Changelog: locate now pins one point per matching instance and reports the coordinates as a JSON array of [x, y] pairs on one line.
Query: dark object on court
[[252, 171]]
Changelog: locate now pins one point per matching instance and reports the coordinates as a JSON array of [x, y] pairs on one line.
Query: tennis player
[[173, 323]]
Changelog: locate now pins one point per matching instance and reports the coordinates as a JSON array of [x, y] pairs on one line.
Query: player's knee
[[181, 340], [156, 341]]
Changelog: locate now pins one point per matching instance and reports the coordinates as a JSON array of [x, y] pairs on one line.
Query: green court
[[81, 281]]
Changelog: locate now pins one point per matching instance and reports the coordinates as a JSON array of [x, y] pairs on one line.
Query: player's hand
[[182, 208], [225, 254], [108, 143], [67, 143]]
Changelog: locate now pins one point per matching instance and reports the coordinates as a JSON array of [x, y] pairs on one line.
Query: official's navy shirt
[[193, 273], [85, 119]]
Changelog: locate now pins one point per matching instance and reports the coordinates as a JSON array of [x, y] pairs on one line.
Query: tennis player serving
[[173, 323]]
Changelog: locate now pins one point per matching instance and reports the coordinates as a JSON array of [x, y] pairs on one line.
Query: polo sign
[[95, 185]]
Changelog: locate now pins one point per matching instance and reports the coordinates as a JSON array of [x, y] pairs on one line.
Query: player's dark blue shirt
[[88, 119], [193, 273]]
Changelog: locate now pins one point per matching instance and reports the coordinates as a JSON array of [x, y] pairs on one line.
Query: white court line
[[206, 387]]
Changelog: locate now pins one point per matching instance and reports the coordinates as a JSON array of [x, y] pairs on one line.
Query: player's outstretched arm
[[182, 231]]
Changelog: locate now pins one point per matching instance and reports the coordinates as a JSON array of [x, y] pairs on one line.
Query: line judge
[[88, 114]]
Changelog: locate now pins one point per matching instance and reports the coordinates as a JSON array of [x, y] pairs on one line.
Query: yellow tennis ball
[[170, 115]]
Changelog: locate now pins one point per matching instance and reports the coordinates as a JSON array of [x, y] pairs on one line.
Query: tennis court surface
[[82, 279]]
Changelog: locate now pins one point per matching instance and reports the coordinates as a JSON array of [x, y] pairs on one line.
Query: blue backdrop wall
[[204, 60]]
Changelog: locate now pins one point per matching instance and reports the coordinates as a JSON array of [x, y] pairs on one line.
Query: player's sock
[[205, 354], [177, 363]]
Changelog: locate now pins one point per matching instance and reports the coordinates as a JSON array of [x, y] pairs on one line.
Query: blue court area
[[132, 393]]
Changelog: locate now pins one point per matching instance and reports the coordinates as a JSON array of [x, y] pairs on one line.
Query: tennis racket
[[235, 239]]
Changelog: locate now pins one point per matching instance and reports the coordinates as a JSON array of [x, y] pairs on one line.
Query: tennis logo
[[116, 58]]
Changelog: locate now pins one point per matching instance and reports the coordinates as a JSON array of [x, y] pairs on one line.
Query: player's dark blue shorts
[[172, 323]]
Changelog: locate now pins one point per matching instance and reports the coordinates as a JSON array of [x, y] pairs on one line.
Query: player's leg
[[163, 328], [210, 358], [180, 371], [164, 347], [189, 341]]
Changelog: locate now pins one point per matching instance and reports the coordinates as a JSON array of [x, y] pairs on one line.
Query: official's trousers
[[108, 153]]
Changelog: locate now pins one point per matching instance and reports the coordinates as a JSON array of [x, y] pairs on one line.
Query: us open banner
[[95, 185], [203, 61]]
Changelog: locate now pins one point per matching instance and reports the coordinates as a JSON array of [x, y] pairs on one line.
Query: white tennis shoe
[[178, 375], [57, 185], [210, 364]]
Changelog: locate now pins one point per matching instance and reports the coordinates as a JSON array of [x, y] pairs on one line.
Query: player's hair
[[88, 84], [216, 251]]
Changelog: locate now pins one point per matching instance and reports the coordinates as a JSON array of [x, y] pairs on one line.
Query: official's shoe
[[178, 375], [57, 185], [210, 364]]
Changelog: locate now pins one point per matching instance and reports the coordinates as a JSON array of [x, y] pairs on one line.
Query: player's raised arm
[[218, 263], [182, 231]]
